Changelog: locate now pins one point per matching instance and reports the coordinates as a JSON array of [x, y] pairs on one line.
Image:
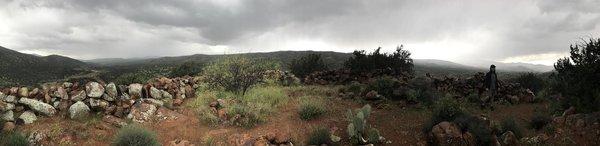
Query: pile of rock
[[74, 100], [449, 133], [512, 92], [345, 76]]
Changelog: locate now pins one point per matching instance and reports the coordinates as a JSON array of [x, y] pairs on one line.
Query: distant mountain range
[[20, 68]]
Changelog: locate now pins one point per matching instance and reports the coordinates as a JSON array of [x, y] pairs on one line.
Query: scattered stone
[[78, 96], [10, 99], [141, 112], [61, 93], [155, 93], [446, 133], [166, 94], [115, 121], [23, 92], [135, 91], [35, 137], [28, 117], [8, 116], [78, 110], [111, 91], [9, 127], [94, 89], [154, 102], [38, 106]]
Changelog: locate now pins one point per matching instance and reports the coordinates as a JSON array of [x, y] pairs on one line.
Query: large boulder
[[155, 93], [94, 89], [61, 93], [9, 127], [78, 110], [446, 133], [166, 94], [38, 106], [10, 99], [28, 117], [111, 92], [142, 112], [135, 91]]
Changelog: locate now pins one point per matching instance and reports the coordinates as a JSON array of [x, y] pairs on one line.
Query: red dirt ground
[[401, 126]]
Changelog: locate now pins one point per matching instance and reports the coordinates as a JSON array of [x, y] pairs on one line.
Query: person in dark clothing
[[491, 83]]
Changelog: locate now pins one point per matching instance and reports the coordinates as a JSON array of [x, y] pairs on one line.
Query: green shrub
[[133, 135], [398, 62], [319, 136], [186, 69], [510, 124], [271, 96], [308, 64], [359, 130], [140, 76], [250, 115], [445, 109], [531, 81], [577, 77], [385, 86], [424, 90], [477, 127], [539, 120], [13, 139], [236, 73], [311, 109]]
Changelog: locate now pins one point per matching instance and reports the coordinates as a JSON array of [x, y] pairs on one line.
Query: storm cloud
[[536, 31]]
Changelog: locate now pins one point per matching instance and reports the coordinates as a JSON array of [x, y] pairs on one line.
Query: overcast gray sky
[[534, 31]]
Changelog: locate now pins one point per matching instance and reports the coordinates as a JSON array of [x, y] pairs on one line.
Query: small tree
[[397, 62], [578, 77], [306, 65], [237, 73], [531, 81]]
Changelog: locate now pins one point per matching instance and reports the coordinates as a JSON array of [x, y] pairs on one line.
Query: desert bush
[[385, 86], [311, 108], [280, 78], [577, 77], [13, 139], [250, 115], [359, 130], [398, 62], [308, 64], [319, 136], [539, 120], [186, 69], [445, 109], [133, 135], [237, 73], [477, 127], [531, 81], [424, 92], [510, 124]]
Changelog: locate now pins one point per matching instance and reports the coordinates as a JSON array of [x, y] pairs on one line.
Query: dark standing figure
[[491, 83]]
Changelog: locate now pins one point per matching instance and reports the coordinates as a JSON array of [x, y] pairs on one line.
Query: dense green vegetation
[[578, 76], [237, 73], [397, 62], [308, 64]]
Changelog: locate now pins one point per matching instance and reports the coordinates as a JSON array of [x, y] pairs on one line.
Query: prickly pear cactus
[[358, 128]]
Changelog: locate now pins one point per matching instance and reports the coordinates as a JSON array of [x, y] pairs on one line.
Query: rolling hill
[[25, 69]]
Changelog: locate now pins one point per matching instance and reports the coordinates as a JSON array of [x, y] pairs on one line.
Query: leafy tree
[[237, 73], [578, 77], [397, 62], [531, 81], [307, 64], [187, 68]]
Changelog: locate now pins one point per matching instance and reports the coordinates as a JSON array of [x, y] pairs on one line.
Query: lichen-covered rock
[[28, 117], [38, 106], [166, 94], [154, 102], [115, 121], [10, 99], [135, 91], [61, 93], [78, 110], [8, 116], [446, 133], [141, 112], [94, 89], [23, 92], [509, 138], [155, 93], [78, 96], [9, 127], [111, 91]]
